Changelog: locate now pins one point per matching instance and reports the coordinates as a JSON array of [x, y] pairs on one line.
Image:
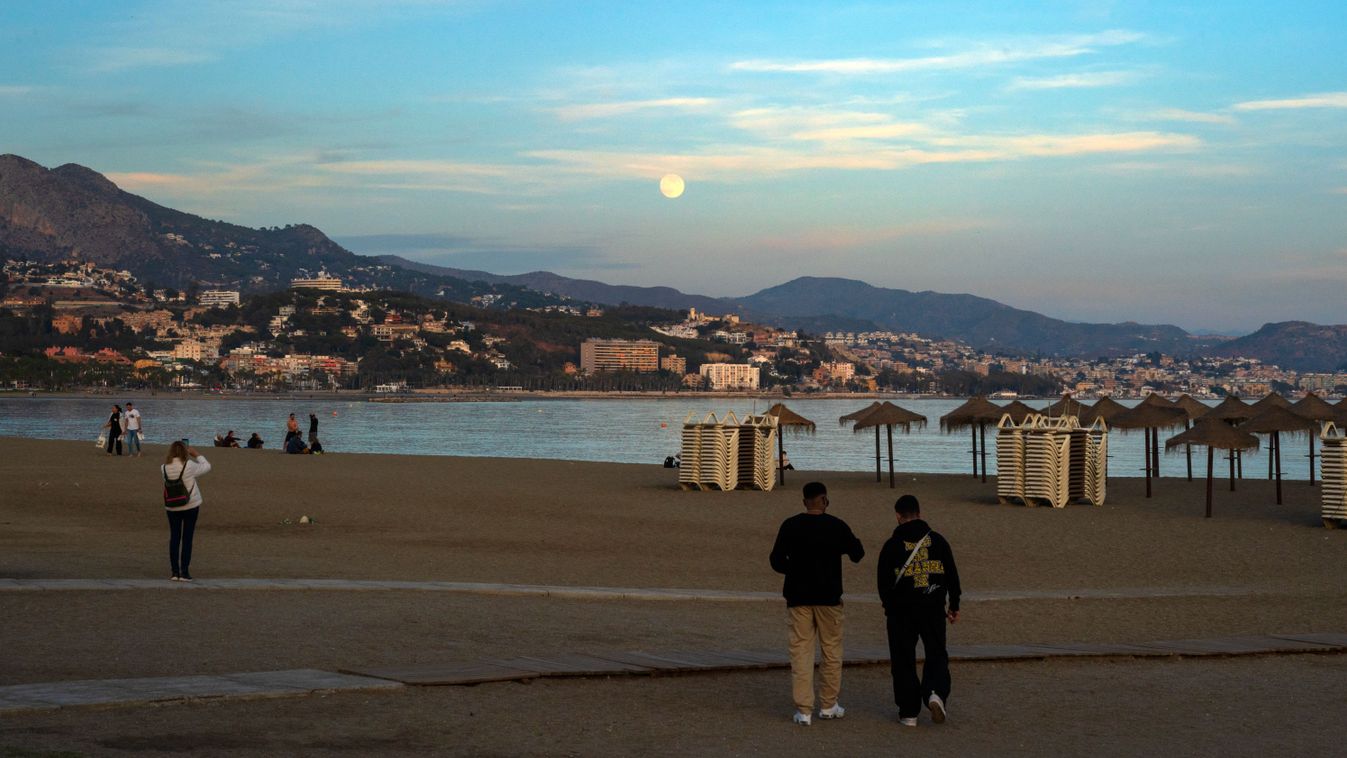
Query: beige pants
[[808, 622]]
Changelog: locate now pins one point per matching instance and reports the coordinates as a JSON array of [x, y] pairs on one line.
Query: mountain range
[[73, 211]]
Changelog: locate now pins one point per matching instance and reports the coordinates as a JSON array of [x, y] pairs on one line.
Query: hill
[[1293, 344], [75, 212]]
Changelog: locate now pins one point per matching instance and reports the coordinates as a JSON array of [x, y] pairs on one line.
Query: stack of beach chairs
[[1051, 461], [1333, 468], [726, 453]]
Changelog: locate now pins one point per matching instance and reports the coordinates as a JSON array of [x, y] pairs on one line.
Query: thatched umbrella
[[1067, 406], [1194, 408], [1158, 401], [787, 419], [1316, 408], [888, 416], [1232, 411], [1212, 434], [1018, 411], [850, 417], [1105, 408], [1274, 420], [974, 414], [1149, 418], [1269, 400]]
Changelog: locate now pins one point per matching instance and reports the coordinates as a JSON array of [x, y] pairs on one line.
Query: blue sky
[[1158, 162]]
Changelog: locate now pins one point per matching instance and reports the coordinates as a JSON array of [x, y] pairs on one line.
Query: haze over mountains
[[73, 211]]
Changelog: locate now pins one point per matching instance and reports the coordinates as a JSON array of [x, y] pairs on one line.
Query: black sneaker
[[185, 577]]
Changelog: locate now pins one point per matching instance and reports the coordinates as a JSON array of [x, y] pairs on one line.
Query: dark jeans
[[114, 439], [181, 527], [904, 628]]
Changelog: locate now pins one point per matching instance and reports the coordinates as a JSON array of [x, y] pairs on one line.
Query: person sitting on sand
[[785, 462], [255, 442], [219, 441], [295, 446], [317, 447], [230, 440]]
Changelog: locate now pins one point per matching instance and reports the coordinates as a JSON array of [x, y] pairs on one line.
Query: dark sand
[[70, 512]]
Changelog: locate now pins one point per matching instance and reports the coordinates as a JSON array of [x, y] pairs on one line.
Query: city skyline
[[1089, 161]]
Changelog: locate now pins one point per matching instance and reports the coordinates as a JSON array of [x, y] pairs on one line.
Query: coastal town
[[73, 325]]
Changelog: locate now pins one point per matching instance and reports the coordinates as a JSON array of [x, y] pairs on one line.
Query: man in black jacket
[[808, 550], [917, 576]]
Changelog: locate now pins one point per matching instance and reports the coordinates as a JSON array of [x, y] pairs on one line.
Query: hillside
[[1293, 344], [75, 212]]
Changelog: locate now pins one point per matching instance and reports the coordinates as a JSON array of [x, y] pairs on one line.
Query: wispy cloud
[[587, 111], [1194, 117], [975, 57], [1323, 100], [14, 90], [110, 59], [1075, 81]]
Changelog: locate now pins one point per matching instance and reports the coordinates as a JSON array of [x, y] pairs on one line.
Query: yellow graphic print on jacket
[[922, 566]]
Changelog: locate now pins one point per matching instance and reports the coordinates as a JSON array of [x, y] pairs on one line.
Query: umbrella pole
[[1277, 452], [890, 430], [1211, 455], [1188, 449], [1239, 464], [1269, 457], [1232, 469], [780, 457], [983, 427], [1311, 458], [974, 430], [878, 478], [1146, 452], [1155, 450]]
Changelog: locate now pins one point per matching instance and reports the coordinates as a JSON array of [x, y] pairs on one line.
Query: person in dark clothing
[[313, 429], [808, 550], [114, 427], [917, 579], [255, 442]]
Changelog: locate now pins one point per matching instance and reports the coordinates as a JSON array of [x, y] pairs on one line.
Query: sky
[[1169, 162]]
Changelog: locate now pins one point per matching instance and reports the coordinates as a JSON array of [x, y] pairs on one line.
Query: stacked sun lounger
[[1047, 461], [1051, 461], [757, 452], [1333, 467], [1009, 460]]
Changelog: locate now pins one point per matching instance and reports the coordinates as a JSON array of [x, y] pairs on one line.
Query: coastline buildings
[[320, 282], [216, 298], [731, 376], [598, 355]]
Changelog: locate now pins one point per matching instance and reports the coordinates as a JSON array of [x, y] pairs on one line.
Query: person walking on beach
[[131, 419], [808, 550], [114, 427], [917, 578], [184, 465]]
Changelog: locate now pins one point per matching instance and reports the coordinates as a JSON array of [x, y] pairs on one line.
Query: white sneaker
[[835, 712], [907, 722], [803, 719], [937, 707]]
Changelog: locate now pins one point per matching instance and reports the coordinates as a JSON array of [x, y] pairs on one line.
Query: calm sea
[[617, 430]]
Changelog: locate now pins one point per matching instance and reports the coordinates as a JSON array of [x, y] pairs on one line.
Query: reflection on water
[[618, 430]]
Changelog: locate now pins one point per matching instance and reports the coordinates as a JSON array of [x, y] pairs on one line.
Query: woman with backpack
[[182, 501]]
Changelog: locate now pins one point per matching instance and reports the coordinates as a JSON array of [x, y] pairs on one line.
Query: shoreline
[[451, 395]]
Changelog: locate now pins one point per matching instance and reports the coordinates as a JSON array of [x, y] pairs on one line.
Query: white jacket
[[194, 468]]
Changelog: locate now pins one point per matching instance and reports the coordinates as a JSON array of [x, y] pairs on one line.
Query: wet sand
[[70, 512]]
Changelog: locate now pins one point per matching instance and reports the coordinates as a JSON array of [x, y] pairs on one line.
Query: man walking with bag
[[917, 576], [808, 550]]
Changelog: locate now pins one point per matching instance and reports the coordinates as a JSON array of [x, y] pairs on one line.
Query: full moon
[[671, 185]]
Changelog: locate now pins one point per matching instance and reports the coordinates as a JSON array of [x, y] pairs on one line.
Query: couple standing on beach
[[916, 577], [123, 425]]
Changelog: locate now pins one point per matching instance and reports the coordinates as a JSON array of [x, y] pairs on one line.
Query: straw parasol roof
[[888, 414], [1209, 432], [1191, 405], [1018, 411], [844, 420], [1067, 406], [1276, 418], [1316, 408], [1230, 409], [1149, 416], [1268, 400], [976, 410], [786, 418], [1105, 408], [1159, 401]]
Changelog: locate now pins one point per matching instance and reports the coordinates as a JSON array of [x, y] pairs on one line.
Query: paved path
[[22, 698], [562, 591]]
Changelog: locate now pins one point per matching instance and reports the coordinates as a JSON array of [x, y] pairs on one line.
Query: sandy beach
[[1133, 570]]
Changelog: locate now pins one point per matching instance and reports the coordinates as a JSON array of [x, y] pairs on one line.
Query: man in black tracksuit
[[917, 576]]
